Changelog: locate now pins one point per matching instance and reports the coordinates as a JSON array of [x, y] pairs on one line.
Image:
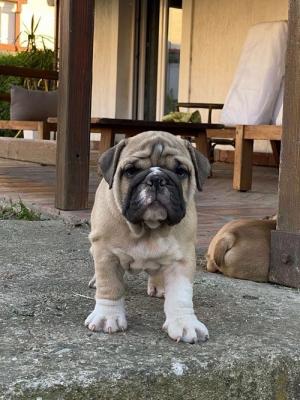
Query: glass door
[[157, 57], [173, 55]]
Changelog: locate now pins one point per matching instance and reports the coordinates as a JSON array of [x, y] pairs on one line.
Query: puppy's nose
[[155, 180]]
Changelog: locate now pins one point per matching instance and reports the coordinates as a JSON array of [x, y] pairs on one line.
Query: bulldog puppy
[[144, 218], [241, 249]]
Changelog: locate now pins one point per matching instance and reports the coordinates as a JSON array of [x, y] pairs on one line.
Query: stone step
[[47, 353]]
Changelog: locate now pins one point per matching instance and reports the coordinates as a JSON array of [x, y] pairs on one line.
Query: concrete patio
[[46, 352]]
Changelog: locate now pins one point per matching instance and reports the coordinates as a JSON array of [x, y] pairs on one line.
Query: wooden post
[[242, 169], [107, 139], [285, 241], [202, 143], [74, 105]]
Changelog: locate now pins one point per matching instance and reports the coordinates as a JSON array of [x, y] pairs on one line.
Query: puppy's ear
[[108, 161], [201, 165]]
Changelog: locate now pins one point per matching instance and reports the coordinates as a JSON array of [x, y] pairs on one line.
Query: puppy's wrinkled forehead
[[154, 150], [157, 152]]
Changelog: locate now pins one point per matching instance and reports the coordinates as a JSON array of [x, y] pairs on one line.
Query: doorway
[[157, 57]]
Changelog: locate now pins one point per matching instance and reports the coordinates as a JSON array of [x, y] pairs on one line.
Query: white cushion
[[278, 120], [277, 113], [255, 88]]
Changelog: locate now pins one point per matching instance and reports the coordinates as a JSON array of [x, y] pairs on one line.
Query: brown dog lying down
[[241, 249]]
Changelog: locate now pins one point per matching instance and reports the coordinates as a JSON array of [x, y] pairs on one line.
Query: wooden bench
[[43, 128], [214, 136], [109, 127], [244, 139]]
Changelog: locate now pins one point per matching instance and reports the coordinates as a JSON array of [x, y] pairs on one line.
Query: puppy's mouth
[[155, 215], [154, 197]]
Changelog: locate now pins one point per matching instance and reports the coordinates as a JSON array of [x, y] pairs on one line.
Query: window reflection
[[173, 57]]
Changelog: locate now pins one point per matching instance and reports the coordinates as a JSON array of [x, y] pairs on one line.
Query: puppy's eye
[[181, 172], [130, 172]]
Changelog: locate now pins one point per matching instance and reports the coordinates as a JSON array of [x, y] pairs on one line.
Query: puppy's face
[[155, 186], [153, 176]]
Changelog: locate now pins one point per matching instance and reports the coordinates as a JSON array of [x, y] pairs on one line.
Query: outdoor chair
[[253, 106], [223, 137], [29, 109]]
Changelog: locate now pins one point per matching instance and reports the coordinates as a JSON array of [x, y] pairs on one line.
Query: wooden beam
[[10, 70], [74, 104], [285, 242], [43, 128], [213, 106], [19, 125], [5, 97], [35, 151], [285, 258], [263, 132], [225, 133]]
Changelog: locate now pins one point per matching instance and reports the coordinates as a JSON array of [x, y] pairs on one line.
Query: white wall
[[105, 58], [125, 59], [7, 22], [219, 28], [113, 51], [40, 9], [113, 58]]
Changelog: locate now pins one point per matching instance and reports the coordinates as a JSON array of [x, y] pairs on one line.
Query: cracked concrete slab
[[47, 353]]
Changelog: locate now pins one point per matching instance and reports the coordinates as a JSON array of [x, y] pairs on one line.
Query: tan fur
[[156, 285], [117, 245], [241, 249], [166, 253]]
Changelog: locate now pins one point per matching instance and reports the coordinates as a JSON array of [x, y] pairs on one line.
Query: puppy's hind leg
[[211, 266], [156, 287], [92, 282], [216, 254]]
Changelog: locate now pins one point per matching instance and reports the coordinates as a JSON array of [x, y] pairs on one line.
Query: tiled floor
[[217, 204]]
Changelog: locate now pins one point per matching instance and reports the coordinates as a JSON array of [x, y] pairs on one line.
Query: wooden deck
[[217, 204]]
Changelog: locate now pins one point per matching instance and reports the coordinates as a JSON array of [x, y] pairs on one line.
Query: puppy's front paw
[[108, 316], [186, 329]]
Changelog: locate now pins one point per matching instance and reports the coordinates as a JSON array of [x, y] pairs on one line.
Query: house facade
[[149, 54], [213, 32], [15, 20], [133, 50]]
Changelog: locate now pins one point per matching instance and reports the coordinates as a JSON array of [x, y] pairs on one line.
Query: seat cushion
[[255, 88], [32, 105]]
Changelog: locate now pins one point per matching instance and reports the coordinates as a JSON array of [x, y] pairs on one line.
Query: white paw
[[108, 316], [186, 329]]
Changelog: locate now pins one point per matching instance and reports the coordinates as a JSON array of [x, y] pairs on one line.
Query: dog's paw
[[155, 287], [186, 329], [108, 316], [92, 282]]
